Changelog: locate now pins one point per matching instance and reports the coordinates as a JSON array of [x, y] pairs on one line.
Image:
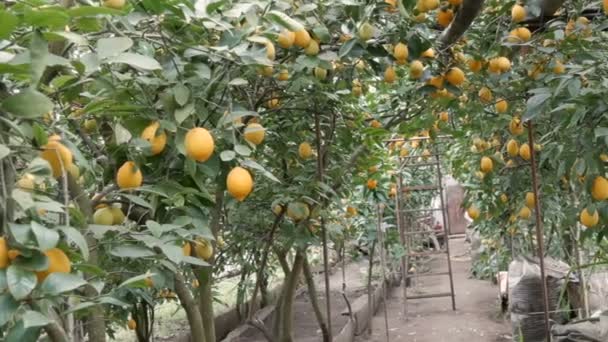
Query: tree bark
[[467, 12], [286, 310], [95, 324], [56, 332], [195, 320], [312, 293]]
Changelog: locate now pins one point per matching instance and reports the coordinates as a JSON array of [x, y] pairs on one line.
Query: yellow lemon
[[525, 213], [103, 216], [599, 189], [298, 211], [203, 249], [389, 75], [518, 13], [301, 38], [455, 76], [305, 150], [199, 144], [501, 106], [157, 140], [115, 4], [58, 263], [530, 200], [444, 17], [129, 176], [416, 69], [485, 94], [589, 220], [473, 212], [4, 260], [486, 165], [372, 184], [401, 51], [239, 183], [312, 49], [475, 65], [516, 127], [513, 148], [254, 133], [524, 151], [58, 156], [286, 39], [366, 31]]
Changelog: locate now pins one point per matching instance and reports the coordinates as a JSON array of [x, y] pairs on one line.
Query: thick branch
[[197, 333], [56, 332], [467, 12], [312, 293]]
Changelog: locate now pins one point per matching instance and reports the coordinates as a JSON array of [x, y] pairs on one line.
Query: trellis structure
[[409, 231]]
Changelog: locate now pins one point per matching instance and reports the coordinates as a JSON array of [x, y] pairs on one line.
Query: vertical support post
[[539, 231], [445, 228], [402, 238], [320, 175], [380, 239]]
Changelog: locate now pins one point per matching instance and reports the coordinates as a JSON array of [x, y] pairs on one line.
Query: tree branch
[[467, 12]]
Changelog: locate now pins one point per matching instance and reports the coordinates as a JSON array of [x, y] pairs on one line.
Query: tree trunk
[[95, 325], [55, 332], [286, 310], [312, 293], [197, 331]]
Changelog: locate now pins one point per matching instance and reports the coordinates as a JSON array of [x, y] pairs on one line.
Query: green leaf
[[18, 333], [46, 17], [3, 283], [79, 307], [137, 61], [139, 201], [183, 113], [8, 22], [173, 252], [21, 232], [4, 151], [254, 165], [39, 167], [85, 11], [36, 261], [34, 319], [21, 282], [599, 132], [136, 279], [227, 155], [28, 104], [284, 20], [23, 198], [181, 94], [534, 105], [8, 307], [132, 252], [346, 47], [46, 238], [109, 47], [58, 283], [76, 237], [39, 51], [242, 150], [195, 261], [69, 36], [155, 228]]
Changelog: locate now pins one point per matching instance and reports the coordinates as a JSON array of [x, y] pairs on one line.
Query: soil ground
[[305, 324], [477, 317]]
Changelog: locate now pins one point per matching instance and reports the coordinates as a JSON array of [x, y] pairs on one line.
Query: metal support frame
[[406, 235]]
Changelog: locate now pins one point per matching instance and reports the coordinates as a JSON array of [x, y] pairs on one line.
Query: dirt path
[[477, 318]]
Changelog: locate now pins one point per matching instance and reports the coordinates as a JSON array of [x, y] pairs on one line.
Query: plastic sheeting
[[526, 304], [591, 330]]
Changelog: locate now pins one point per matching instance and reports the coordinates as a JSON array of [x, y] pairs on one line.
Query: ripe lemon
[[27, 182], [524, 151], [513, 148], [493, 66], [312, 49], [277, 209], [59, 157], [357, 90], [90, 125], [301, 38], [298, 211], [199, 144], [351, 211], [428, 53], [372, 184], [485, 94], [13, 254], [401, 52], [4, 260], [270, 51], [305, 150], [366, 31], [501, 106], [473, 212], [203, 249], [486, 165], [518, 13], [389, 75], [455, 76], [239, 183], [286, 39], [320, 73], [129, 176], [420, 17], [58, 263], [436, 81], [131, 324], [530, 200], [187, 249], [504, 64], [404, 152], [254, 133], [516, 127], [283, 75], [392, 192], [525, 213], [157, 140], [599, 189], [605, 6], [103, 216], [115, 4], [118, 217], [504, 198], [444, 17], [375, 124], [430, 5], [416, 69], [444, 116], [475, 65], [589, 220], [149, 282], [195, 283], [266, 71], [558, 68], [273, 103], [519, 35]]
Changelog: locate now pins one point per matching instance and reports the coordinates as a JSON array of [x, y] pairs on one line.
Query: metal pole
[[402, 239], [539, 230]]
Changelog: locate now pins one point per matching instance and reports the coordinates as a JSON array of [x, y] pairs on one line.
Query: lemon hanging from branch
[[239, 183], [129, 176]]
